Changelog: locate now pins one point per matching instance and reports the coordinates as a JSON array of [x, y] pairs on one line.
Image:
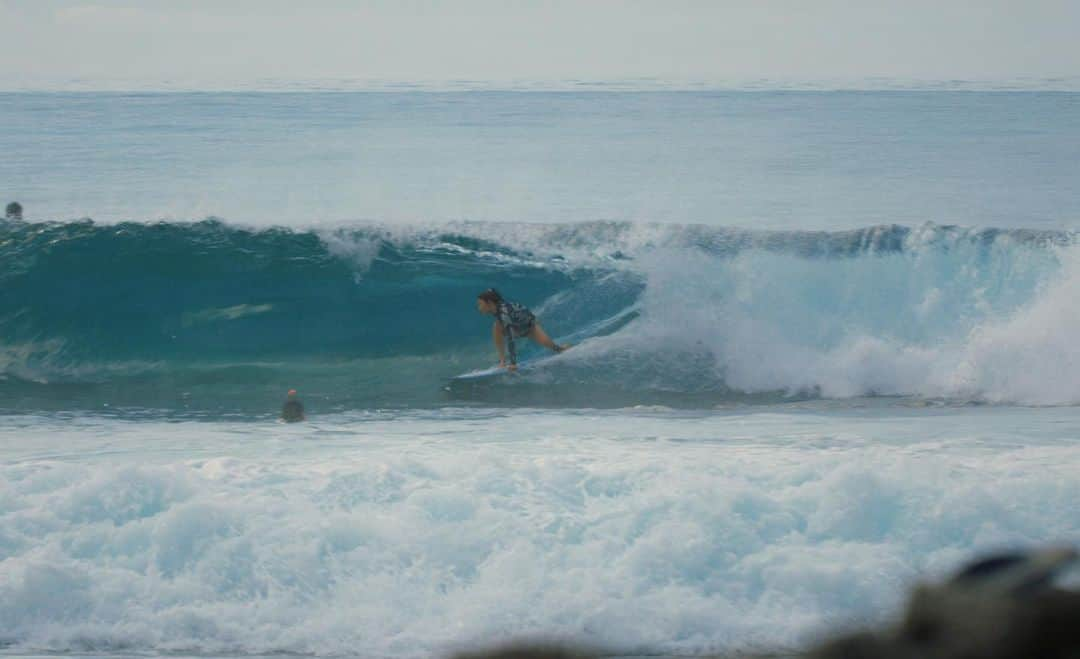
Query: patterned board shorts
[[521, 320]]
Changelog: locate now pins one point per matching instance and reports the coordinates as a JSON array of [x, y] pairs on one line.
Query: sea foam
[[643, 531]]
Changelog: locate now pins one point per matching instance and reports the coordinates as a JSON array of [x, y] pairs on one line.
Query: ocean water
[[824, 348]]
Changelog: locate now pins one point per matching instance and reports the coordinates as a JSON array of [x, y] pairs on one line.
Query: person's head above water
[[293, 409], [13, 211], [488, 302]]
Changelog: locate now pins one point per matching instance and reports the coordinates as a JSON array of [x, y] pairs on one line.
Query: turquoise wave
[[211, 317]]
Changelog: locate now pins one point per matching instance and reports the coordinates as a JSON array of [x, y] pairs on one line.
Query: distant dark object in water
[[1004, 606], [293, 410], [13, 211]]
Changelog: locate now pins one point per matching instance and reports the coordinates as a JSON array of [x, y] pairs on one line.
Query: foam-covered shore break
[[417, 534]]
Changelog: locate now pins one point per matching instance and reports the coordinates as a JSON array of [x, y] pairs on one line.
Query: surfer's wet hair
[[491, 295]]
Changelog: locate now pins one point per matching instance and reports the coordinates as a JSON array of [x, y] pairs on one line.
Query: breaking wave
[[209, 316]]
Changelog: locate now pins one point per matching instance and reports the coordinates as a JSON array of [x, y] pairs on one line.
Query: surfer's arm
[[497, 336], [510, 348]]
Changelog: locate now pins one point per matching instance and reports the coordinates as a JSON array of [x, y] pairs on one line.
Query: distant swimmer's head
[[488, 302], [293, 409], [13, 211]]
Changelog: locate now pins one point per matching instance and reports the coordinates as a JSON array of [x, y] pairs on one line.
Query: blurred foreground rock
[[1005, 606], [1002, 607]]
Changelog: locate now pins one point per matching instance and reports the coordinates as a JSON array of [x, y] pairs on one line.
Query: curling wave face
[[211, 317]]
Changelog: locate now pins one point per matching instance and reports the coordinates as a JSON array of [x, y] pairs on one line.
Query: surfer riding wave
[[512, 320]]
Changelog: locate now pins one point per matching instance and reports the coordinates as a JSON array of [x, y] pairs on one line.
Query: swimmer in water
[[293, 410], [512, 321]]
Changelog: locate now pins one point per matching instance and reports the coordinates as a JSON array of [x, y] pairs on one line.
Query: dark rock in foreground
[[1002, 607]]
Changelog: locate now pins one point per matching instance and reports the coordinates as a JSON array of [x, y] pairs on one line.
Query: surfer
[[293, 410], [512, 321], [13, 212]]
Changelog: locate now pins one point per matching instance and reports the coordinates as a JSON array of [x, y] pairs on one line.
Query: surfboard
[[494, 371], [480, 374]]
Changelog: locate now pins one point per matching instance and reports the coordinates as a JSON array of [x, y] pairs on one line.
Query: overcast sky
[[210, 42]]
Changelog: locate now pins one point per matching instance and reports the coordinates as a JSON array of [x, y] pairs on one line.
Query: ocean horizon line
[[1067, 84]]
